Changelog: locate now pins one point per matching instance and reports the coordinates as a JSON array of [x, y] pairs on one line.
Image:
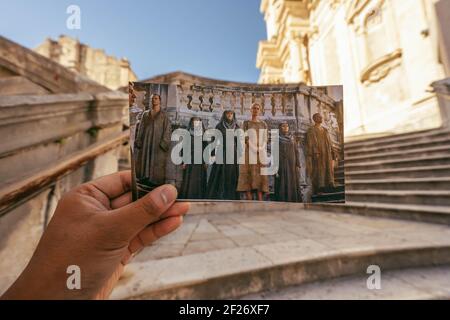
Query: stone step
[[280, 249], [410, 172], [329, 196], [414, 212], [226, 206], [425, 197], [432, 283], [333, 201], [235, 273], [258, 274], [428, 151], [418, 161], [423, 136], [417, 144], [437, 183]]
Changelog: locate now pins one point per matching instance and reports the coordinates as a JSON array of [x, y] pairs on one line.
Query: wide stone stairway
[[396, 217], [404, 176]]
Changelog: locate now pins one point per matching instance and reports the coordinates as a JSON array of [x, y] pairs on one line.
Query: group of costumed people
[[228, 179]]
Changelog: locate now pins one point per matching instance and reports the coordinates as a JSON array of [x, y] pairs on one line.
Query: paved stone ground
[[211, 232], [215, 246]]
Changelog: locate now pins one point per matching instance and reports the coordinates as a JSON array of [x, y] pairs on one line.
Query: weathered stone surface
[[93, 63], [16, 85], [65, 131], [48, 74], [407, 284], [318, 246]]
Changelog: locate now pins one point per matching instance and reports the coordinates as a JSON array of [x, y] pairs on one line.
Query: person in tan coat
[[320, 156]]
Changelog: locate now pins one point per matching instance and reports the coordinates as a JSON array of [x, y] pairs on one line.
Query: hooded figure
[[224, 177], [287, 186], [194, 175]]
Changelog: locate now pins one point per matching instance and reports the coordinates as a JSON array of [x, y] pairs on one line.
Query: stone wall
[[51, 143], [93, 63]]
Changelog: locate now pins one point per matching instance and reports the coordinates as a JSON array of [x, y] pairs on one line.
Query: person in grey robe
[[152, 144], [194, 175], [224, 177], [287, 187]]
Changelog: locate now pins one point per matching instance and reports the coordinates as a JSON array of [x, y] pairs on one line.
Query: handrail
[[13, 194]]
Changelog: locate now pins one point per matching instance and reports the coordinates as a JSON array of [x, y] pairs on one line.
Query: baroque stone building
[[93, 63], [386, 53]]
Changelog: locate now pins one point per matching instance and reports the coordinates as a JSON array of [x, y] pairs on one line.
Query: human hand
[[97, 227]]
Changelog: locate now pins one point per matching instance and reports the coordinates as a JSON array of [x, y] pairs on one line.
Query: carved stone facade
[[386, 53], [93, 63]]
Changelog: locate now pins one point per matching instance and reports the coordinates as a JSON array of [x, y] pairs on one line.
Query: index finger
[[114, 185]]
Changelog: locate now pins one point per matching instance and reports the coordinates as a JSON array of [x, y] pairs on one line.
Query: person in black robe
[[194, 175], [224, 177], [287, 186]]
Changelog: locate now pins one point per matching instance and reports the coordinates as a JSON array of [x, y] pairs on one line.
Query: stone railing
[[51, 143], [292, 103], [39, 130]]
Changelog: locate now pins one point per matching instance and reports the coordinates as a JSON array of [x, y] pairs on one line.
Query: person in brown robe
[[194, 175], [250, 177], [287, 187], [319, 156], [224, 177], [152, 144]]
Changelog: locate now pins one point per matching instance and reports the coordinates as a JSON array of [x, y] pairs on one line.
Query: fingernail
[[168, 194]]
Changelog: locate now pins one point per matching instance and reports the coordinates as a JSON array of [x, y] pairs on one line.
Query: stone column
[[296, 53], [217, 103], [247, 102]]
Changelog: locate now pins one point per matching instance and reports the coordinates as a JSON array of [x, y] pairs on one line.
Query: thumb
[[139, 214]]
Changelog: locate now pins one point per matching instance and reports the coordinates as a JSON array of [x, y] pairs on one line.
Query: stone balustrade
[[292, 103]]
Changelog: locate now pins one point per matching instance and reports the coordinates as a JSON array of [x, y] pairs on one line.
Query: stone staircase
[[403, 176], [288, 252], [432, 283]]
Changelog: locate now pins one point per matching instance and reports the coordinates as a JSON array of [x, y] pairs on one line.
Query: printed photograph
[[238, 142]]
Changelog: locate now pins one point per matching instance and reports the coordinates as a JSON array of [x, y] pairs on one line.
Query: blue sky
[[212, 38]]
